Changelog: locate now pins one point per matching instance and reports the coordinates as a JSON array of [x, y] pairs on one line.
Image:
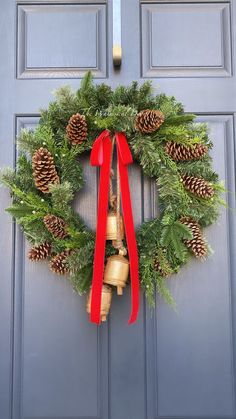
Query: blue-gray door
[[54, 364]]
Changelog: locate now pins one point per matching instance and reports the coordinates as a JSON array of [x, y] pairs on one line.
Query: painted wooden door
[[54, 364]]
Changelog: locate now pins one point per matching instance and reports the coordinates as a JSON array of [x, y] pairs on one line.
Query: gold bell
[[105, 302], [111, 233], [117, 272]]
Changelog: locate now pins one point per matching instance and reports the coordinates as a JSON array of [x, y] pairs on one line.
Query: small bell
[[111, 233], [105, 302], [117, 272]]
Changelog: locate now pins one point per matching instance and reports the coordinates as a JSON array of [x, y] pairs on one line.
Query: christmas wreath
[[169, 146]]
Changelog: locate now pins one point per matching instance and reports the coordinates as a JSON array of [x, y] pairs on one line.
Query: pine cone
[[40, 252], [56, 225], [44, 170], [77, 129], [197, 244], [183, 152], [58, 263], [198, 186], [148, 121]]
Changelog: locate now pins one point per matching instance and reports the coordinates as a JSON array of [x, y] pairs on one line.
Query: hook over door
[[117, 50]]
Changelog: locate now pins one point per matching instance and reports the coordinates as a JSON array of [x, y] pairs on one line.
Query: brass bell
[[105, 302], [117, 272], [111, 233]]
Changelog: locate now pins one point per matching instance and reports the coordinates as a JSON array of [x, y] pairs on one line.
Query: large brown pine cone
[[44, 170], [77, 129], [40, 252], [58, 263], [149, 120], [181, 152], [198, 186], [197, 244], [56, 225]]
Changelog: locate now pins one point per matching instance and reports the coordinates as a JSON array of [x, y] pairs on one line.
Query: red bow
[[101, 156]]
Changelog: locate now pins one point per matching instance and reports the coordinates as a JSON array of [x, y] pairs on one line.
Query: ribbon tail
[[130, 233], [99, 253]]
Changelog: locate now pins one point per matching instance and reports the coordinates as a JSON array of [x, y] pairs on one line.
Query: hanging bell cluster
[[116, 271]]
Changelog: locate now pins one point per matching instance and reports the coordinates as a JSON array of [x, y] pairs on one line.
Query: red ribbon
[[101, 156]]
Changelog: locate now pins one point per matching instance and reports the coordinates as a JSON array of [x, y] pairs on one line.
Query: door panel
[[127, 350], [53, 362], [48, 36], [174, 41], [56, 373], [194, 370]]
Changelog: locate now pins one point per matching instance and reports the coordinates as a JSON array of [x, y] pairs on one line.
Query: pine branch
[[146, 275], [64, 95], [172, 236], [168, 105], [164, 292], [179, 119], [81, 280], [160, 256], [148, 236], [75, 240], [59, 112], [7, 177], [178, 133], [80, 266], [147, 152], [70, 169], [86, 83], [117, 118], [61, 195], [26, 141], [17, 211], [199, 168], [30, 141], [145, 99], [24, 177]]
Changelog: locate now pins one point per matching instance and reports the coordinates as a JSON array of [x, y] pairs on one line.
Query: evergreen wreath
[[171, 149]]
